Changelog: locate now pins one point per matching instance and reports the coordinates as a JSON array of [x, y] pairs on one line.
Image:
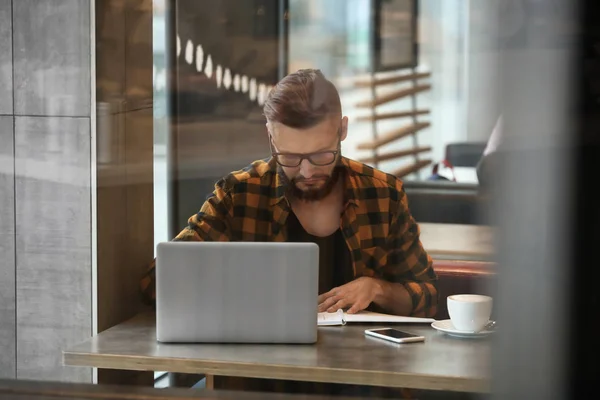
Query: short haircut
[[303, 99]]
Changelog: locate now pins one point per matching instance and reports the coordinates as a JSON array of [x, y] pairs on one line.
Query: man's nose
[[307, 170]]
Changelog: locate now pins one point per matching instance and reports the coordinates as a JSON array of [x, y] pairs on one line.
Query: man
[[370, 252]]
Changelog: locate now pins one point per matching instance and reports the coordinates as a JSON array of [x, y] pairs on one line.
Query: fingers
[[327, 295], [322, 298], [335, 303], [328, 303], [340, 297], [338, 305], [356, 308]]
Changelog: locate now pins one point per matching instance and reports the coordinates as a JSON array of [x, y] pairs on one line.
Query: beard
[[293, 191]]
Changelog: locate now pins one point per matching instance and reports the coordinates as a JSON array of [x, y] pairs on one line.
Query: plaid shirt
[[383, 238]]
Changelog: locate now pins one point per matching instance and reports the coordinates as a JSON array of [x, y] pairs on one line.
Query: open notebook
[[341, 318]]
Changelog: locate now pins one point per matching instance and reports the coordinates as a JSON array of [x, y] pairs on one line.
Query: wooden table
[[341, 355], [39, 390], [458, 242]]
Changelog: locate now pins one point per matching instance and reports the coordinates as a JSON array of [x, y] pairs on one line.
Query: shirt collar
[[351, 182]]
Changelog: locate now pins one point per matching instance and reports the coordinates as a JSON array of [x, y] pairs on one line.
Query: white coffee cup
[[469, 312]]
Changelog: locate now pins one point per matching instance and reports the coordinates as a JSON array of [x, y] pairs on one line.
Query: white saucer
[[447, 327]]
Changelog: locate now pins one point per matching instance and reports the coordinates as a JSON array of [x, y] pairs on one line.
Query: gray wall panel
[[7, 251], [53, 231], [6, 97], [52, 57]]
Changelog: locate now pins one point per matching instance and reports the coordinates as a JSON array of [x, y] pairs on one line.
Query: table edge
[[276, 371]]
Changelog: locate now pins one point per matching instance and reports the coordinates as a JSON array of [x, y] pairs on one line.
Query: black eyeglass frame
[[303, 157]]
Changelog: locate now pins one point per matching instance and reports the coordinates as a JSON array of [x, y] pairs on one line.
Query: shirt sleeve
[[211, 223], [408, 262]]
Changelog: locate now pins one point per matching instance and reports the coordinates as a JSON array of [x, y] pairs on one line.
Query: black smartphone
[[394, 335]]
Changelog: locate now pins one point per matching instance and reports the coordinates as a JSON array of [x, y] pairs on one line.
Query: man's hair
[[302, 99]]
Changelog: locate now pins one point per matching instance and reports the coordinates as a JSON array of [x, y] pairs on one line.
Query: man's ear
[[344, 132]]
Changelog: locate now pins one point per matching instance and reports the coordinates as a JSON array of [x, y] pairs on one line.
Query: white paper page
[[368, 316], [465, 174], [329, 319]]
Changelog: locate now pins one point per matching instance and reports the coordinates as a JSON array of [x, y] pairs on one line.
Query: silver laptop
[[236, 292]]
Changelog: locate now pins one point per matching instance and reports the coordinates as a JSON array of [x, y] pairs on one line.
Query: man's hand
[[357, 295]]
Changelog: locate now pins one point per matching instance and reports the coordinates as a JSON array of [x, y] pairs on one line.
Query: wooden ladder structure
[[408, 129]]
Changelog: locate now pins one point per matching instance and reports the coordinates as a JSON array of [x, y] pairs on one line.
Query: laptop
[[236, 292]]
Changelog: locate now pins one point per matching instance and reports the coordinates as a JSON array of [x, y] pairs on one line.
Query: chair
[[464, 154]]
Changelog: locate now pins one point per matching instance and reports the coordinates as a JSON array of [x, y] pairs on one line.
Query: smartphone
[[394, 335]]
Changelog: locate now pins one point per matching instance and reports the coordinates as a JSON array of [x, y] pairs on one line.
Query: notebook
[[341, 318]]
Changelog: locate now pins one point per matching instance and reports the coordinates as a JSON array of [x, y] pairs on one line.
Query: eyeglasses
[[291, 160]]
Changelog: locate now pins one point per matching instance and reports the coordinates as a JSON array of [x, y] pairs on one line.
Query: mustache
[[301, 178]]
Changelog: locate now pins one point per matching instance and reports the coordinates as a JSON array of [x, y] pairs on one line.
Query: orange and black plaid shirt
[[383, 238]]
